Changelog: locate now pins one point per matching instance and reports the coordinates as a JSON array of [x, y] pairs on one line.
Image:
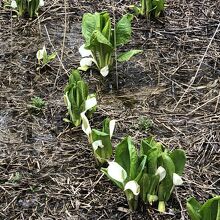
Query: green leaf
[[126, 155], [209, 209], [105, 25], [141, 167], [167, 183], [152, 161], [144, 186], [146, 146], [158, 6], [81, 94], [178, 157], [97, 37], [105, 127], [123, 30], [193, 207], [89, 25], [52, 56], [128, 55]]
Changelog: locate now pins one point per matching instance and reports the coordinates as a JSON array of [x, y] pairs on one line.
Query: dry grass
[[46, 167]]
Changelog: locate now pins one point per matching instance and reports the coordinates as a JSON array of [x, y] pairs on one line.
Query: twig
[[63, 43], [216, 97], [181, 206]]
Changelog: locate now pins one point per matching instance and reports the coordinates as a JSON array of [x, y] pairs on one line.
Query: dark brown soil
[[47, 170]]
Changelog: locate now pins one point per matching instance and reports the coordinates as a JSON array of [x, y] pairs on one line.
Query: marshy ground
[[47, 170]]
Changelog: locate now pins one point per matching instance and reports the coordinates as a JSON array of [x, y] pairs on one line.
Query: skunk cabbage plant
[[210, 210], [101, 141], [162, 172], [101, 41], [79, 102], [27, 6], [126, 171], [43, 57], [150, 8]]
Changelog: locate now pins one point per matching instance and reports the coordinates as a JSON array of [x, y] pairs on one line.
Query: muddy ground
[[47, 170]]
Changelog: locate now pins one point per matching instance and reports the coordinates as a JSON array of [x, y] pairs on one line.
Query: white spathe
[[84, 52], [177, 180], [116, 172], [14, 4], [40, 53], [161, 172], [111, 127], [104, 71], [90, 103], [41, 3], [85, 63], [85, 124], [97, 144], [67, 101], [133, 186]]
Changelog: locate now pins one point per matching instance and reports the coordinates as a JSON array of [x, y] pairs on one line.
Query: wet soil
[[47, 170]]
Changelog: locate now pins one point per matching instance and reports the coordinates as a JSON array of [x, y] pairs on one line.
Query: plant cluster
[[31, 7], [150, 173], [37, 103], [101, 41], [78, 100], [43, 57], [150, 8]]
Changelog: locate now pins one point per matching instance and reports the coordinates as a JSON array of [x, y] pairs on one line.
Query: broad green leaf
[[97, 37], [73, 79], [75, 76], [193, 208], [166, 162], [178, 157], [105, 127], [152, 161], [145, 186], [123, 30], [146, 146], [209, 209], [141, 167], [89, 25], [126, 155], [106, 25], [81, 93], [128, 55], [52, 56]]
